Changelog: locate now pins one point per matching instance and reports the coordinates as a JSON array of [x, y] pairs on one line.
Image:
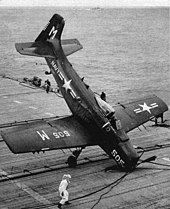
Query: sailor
[[103, 96], [48, 82], [63, 190], [48, 85], [39, 82]]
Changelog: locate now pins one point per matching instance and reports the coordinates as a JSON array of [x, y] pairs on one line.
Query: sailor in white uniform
[[63, 190]]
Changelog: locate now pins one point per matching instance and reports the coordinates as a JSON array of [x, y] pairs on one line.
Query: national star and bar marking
[[67, 87], [145, 107], [66, 84]]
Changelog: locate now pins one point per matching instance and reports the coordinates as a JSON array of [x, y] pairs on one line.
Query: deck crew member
[[48, 85], [103, 96], [63, 190]]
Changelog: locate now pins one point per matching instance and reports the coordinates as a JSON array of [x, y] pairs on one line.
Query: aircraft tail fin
[[41, 47], [52, 30]]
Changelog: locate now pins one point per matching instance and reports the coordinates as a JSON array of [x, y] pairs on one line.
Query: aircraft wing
[[42, 49], [136, 113], [47, 135]]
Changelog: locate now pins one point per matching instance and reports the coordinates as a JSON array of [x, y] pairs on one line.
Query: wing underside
[[47, 135]]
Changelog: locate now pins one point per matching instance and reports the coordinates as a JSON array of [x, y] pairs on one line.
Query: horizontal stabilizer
[[70, 46], [42, 49], [37, 49]]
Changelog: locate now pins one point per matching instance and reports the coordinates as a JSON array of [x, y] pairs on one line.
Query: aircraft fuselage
[[82, 102], [80, 99]]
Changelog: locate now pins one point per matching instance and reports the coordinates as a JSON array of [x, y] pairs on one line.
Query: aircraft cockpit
[[109, 112]]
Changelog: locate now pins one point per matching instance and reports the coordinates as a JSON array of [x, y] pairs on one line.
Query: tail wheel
[[72, 161]]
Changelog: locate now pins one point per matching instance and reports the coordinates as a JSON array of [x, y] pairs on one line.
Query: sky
[[87, 3]]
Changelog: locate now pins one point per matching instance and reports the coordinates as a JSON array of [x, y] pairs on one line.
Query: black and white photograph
[[84, 104]]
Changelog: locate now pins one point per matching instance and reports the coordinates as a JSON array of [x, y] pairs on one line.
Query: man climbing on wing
[[47, 85], [63, 190]]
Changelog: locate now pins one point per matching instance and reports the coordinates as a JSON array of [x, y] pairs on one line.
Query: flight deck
[[32, 180]]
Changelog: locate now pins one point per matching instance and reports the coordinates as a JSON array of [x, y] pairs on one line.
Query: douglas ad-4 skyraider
[[93, 120]]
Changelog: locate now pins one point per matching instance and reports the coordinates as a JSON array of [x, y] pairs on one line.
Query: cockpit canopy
[[106, 108]]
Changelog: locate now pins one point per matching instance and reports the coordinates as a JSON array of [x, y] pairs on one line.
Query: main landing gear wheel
[[72, 160]]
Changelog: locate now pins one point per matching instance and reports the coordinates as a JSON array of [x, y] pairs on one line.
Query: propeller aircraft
[[93, 120]]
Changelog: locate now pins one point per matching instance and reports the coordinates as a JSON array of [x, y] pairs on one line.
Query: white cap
[[67, 177]]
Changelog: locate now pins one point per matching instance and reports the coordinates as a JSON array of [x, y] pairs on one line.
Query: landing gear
[[72, 160], [159, 116]]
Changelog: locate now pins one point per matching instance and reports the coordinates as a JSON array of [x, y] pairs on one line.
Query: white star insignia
[[146, 107], [66, 84]]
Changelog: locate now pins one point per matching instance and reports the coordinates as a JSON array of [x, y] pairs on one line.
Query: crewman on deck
[[103, 96], [63, 190], [48, 85]]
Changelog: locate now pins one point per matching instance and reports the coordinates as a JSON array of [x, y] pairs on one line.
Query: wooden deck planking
[[147, 187]]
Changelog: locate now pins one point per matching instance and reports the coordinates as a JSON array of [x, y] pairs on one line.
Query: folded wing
[[47, 135]]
